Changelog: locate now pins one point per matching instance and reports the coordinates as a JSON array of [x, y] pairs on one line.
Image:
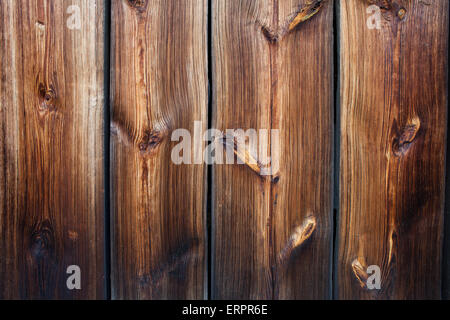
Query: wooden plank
[[273, 69], [159, 84], [51, 142], [446, 264], [393, 130]]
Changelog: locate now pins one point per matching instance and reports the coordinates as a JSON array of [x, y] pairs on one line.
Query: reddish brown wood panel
[[159, 84], [393, 132], [273, 69], [51, 148]]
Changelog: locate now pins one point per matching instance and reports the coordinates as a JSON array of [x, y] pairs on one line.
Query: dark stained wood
[[393, 101], [159, 84], [51, 149], [273, 68]]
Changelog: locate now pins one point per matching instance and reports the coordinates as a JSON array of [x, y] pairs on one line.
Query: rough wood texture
[[273, 69], [51, 149], [159, 84], [393, 128]]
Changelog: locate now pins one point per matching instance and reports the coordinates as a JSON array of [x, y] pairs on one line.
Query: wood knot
[[301, 15], [150, 141], [139, 5], [390, 6], [392, 246], [382, 4], [145, 140], [240, 144], [401, 13], [359, 268], [306, 13], [270, 35], [42, 241], [297, 239], [47, 97], [404, 139]]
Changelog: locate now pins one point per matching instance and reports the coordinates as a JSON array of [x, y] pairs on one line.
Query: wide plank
[[273, 69], [393, 101], [159, 84], [51, 148]]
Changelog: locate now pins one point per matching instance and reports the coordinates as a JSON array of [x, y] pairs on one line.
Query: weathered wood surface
[[273, 69], [159, 84], [51, 156], [393, 101]]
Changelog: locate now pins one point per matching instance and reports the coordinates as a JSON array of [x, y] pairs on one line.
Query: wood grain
[[393, 131], [51, 149], [159, 84], [273, 69]]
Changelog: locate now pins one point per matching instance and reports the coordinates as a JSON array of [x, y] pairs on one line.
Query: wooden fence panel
[[159, 84], [273, 69], [271, 223], [393, 101], [51, 142]]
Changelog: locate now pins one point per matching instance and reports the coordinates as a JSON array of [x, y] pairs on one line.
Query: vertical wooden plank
[[393, 132], [446, 249], [273, 69], [51, 158], [159, 84]]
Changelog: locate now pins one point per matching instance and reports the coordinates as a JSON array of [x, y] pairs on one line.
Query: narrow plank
[[393, 131], [273, 69], [159, 84], [51, 133], [446, 264]]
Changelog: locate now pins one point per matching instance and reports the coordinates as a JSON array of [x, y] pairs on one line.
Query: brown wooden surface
[[159, 84], [51, 149], [393, 131], [273, 69]]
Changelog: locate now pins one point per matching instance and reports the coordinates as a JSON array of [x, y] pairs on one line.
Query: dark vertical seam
[[209, 205], [336, 138], [106, 147], [273, 95]]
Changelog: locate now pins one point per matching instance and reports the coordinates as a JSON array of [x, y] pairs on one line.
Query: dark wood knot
[[42, 240], [405, 138], [139, 5], [150, 141], [47, 97]]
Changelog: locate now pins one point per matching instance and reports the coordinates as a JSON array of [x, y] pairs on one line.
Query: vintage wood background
[[91, 92]]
